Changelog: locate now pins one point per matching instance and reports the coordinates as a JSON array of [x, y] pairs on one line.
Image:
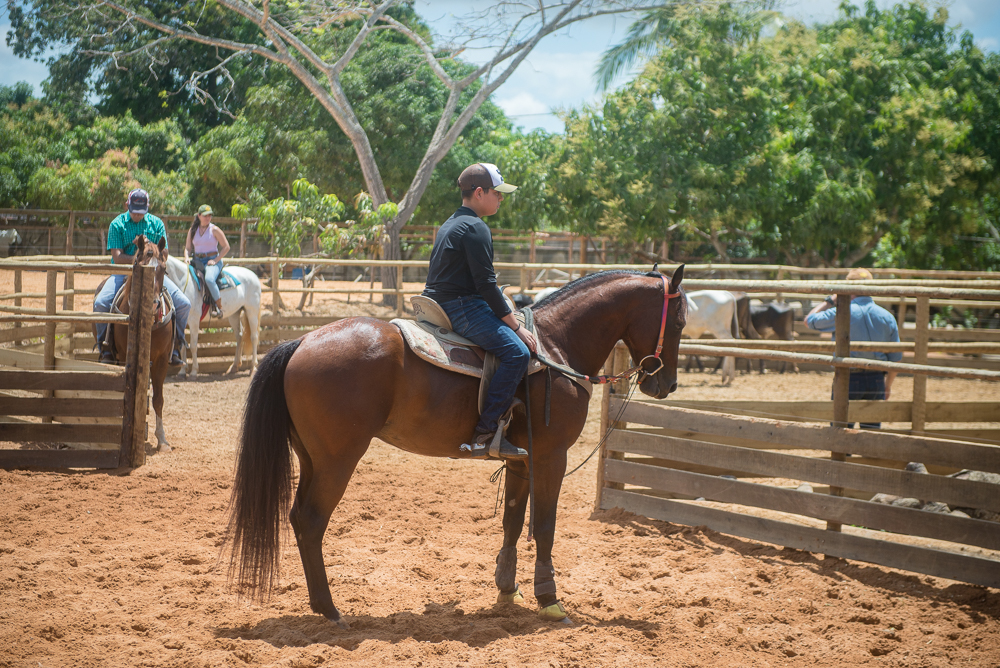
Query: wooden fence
[[50, 399], [529, 278], [731, 472]]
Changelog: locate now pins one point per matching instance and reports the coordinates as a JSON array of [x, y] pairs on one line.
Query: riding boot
[[108, 346], [175, 356], [494, 445]]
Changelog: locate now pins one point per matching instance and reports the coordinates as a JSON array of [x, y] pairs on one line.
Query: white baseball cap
[[484, 175]]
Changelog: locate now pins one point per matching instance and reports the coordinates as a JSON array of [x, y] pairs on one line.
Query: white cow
[[714, 312]]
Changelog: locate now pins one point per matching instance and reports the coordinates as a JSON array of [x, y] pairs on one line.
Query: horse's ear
[[140, 243], [656, 267], [161, 244], [675, 281]]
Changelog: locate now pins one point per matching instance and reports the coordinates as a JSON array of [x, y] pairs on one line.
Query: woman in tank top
[[206, 245]]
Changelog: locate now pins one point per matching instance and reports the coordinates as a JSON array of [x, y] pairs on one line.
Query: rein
[[628, 373]]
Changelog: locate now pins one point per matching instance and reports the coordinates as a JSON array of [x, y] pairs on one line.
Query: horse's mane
[[584, 282]]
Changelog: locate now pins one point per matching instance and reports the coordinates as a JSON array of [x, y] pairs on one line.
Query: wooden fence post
[[243, 238], [841, 384], [617, 362], [609, 369], [531, 248], [17, 302], [69, 233], [901, 316], [276, 300], [140, 330], [919, 416], [49, 350], [399, 291]]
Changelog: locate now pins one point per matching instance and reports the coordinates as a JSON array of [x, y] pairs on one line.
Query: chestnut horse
[[329, 393], [162, 337]]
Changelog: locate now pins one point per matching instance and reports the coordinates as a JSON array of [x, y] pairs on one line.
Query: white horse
[[240, 304], [714, 312]]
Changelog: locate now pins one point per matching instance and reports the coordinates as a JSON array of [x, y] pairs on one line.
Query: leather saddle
[[430, 337]]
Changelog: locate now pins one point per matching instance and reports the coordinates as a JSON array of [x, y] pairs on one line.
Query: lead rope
[[611, 428]]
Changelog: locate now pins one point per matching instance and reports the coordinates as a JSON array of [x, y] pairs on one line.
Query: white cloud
[[988, 43], [522, 104]]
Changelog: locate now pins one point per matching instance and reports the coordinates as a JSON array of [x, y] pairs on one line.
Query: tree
[[291, 35], [688, 145]]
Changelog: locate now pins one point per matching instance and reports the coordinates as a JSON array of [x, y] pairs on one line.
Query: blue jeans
[[103, 299], [473, 318], [866, 386], [211, 275]]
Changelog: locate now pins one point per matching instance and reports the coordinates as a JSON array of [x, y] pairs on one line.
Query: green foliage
[[869, 139], [288, 221], [103, 183], [363, 236]]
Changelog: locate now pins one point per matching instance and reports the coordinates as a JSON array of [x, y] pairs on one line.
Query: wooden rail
[[666, 463], [114, 396]]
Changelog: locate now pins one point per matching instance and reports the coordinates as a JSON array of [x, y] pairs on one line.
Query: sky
[[559, 73]]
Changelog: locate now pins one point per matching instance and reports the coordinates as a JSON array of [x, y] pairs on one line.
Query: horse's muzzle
[[659, 385]]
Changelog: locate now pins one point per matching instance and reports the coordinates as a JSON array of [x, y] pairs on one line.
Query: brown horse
[[330, 392], [162, 338]]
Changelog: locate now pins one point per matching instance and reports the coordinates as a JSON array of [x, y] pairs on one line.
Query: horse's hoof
[[342, 623], [514, 597], [554, 613], [164, 447]]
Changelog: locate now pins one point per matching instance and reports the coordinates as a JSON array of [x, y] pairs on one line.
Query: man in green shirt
[[121, 233]]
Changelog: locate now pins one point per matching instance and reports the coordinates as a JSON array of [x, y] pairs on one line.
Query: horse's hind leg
[[515, 504], [323, 478]]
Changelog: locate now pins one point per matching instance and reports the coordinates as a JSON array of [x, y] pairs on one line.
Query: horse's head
[[153, 255], [659, 372]]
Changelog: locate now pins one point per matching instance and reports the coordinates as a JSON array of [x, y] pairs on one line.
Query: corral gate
[[709, 469]]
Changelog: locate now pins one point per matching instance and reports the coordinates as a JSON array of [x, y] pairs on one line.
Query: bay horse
[[240, 305], [329, 393], [162, 337]]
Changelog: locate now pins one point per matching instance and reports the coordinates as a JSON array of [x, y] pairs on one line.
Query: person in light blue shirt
[[869, 322], [121, 233]]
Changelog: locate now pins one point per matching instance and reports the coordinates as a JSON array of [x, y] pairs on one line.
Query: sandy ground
[[121, 569]]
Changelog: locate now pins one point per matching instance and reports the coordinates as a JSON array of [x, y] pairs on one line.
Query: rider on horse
[[462, 280], [121, 233], [204, 248]]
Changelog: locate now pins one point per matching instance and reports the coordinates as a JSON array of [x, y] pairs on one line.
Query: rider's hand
[[528, 338], [212, 263]]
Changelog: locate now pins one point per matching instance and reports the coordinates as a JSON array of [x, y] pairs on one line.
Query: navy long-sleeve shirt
[[462, 262]]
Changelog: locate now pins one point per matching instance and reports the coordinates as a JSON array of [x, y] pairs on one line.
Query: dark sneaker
[[107, 358], [175, 359], [483, 447]]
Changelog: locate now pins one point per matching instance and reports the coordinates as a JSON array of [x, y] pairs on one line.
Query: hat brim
[[143, 211], [505, 188]]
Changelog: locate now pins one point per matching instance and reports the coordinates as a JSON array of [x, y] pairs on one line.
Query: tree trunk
[[390, 251]]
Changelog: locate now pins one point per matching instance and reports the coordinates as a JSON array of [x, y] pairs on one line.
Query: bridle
[[637, 369]]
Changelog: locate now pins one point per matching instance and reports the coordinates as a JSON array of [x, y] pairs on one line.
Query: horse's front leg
[[515, 503], [548, 483], [193, 329], [158, 373]]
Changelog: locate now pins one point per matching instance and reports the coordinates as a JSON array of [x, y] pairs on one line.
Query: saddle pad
[[225, 281], [441, 347]]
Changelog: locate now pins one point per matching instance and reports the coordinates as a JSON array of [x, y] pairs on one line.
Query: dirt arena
[[120, 570]]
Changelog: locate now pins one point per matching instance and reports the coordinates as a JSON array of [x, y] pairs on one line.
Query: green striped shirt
[[123, 231]]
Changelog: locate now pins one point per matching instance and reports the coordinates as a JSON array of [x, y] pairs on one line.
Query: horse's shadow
[[437, 623], [978, 602]]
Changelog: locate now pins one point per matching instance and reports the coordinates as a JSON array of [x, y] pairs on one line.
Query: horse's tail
[[246, 338], [262, 486]]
